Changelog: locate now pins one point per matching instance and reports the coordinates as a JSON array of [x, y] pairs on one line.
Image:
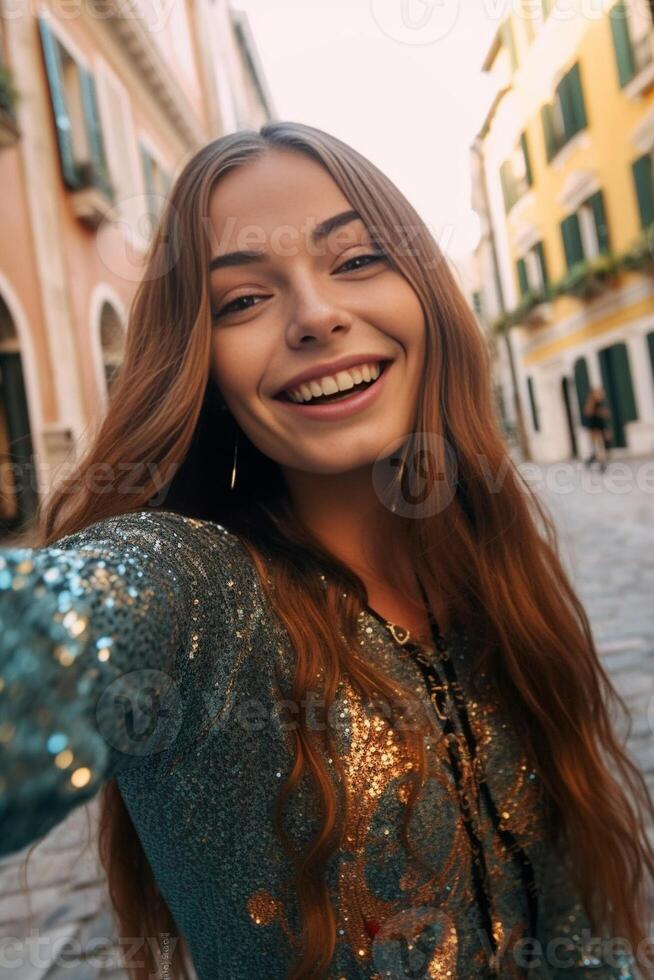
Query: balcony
[[533, 310], [589, 278], [93, 197], [9, 131]]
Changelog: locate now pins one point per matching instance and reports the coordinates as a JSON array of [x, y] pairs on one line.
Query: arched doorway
[[112, 342], [18, 488]]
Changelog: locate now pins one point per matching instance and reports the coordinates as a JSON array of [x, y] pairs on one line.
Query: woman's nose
[[316, 318]]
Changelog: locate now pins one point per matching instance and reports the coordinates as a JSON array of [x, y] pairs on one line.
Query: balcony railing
[[94, 196]]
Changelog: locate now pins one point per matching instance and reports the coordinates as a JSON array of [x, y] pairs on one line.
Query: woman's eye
[[231, 307], [372, 257]]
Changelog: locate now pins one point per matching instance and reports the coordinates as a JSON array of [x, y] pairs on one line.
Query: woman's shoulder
[[195, 547]]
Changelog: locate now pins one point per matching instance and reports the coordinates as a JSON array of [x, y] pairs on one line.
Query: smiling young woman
[[341, 700]]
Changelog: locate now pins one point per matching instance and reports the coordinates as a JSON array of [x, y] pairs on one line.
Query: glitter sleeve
[[571, 949], [90, 630]]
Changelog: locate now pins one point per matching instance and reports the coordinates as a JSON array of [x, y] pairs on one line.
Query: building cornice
[[130, 28]]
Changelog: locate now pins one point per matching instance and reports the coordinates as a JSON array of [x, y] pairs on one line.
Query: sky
[[399, 80]]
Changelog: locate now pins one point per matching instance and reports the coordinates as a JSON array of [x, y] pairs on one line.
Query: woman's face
[[301, 305]]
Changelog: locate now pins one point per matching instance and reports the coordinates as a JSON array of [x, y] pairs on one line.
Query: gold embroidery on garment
[[376, 757], [263, 908]]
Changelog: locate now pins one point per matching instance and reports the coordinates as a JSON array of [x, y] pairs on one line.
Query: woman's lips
[[342, 407]]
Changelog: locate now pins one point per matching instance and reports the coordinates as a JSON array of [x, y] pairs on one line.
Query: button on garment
[[142, 648]]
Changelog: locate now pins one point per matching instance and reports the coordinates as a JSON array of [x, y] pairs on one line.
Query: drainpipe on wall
[[517, 404]]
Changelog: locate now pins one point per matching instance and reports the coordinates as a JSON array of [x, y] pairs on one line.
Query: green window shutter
[[574, 250], [93, 126], [146, 163], [624, 53], [525, 153], [642, 171], [508, 40], [548, 131], [596, 203], [532, 403], [621, 374], [540, 252], [506, 178], [52, 59], [563, 94], [576, 98], [522, 276], [582, 383]]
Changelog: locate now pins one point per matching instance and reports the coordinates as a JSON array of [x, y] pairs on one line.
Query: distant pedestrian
[[596, 420]]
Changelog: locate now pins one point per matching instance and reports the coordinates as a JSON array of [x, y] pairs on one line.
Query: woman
[[343, 703], [597, 421]]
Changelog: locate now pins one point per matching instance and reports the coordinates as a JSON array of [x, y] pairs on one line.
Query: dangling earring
[[233, 481]]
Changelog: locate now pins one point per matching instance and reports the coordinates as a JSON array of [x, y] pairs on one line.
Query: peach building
[[101, 104]]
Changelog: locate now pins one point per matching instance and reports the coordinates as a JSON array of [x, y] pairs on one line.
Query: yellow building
[[100, 105], [563, 171]]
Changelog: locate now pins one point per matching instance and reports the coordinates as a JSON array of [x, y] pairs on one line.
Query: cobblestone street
[[606, 529], [606, 533]]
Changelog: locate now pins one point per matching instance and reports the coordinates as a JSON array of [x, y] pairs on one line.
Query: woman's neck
[[346, 515]]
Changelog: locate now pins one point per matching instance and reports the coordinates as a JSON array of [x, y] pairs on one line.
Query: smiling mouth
[[338, 396]]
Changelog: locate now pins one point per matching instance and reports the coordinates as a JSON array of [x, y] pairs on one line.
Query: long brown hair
[[532, 635]]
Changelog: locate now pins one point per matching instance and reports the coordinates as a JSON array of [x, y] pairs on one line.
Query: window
[[515, 174], [631, 26], [644, 186], [532, 404], [156, 180], [74, 104], [532, 270], [566, 114], [585, 232]]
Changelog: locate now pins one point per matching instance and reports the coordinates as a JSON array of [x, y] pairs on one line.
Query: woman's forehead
[[270, 204], [279, 187]]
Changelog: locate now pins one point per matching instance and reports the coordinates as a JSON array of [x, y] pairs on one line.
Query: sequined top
[[143, 648]]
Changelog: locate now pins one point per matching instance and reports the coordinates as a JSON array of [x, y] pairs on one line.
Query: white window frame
[[105, 77], [588, 231], [534, 271]]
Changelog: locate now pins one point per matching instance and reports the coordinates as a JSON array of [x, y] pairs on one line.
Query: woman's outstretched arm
[[90, 631]]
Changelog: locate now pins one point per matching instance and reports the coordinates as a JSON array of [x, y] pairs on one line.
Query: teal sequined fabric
[[143, 648]]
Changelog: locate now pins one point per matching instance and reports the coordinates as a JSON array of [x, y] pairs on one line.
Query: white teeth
[[344, 380], [330, 384]]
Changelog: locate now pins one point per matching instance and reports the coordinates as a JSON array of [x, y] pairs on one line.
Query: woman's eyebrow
[[320, 232]]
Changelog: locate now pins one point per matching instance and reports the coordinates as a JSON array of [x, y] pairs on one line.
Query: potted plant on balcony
[[531, 308], [640, 256], [8, 98], [588, 278]]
